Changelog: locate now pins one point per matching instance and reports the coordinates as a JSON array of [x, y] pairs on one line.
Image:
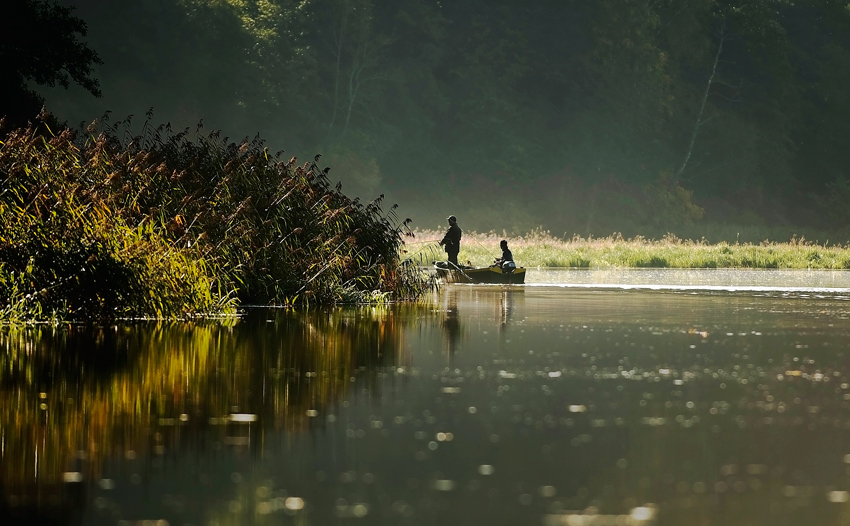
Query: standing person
[[451, 241]]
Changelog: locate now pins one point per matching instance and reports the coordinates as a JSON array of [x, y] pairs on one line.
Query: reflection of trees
[[71, 398]]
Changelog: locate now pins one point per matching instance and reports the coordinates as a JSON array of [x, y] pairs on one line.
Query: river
[[628, 397]]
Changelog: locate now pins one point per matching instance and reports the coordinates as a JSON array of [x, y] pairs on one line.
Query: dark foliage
[[40, 44], [495, 110]]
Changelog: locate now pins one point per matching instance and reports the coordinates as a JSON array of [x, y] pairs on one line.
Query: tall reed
[[109, 223]]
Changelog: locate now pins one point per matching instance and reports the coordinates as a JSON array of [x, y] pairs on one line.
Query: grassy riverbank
[[540, 249]]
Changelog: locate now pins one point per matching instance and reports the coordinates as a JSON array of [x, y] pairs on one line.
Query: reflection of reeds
[[62, 409], [163, 224]]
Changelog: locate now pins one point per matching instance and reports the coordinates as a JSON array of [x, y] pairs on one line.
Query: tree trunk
[[699, 122]]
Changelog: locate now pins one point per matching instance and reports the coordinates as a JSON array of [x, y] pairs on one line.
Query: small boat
[[450, 273]]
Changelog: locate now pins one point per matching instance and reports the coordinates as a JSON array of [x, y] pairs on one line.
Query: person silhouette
[[506, 262], [451, 241]]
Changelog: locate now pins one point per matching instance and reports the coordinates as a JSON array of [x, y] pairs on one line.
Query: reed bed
[[111, 224], [541, 249]]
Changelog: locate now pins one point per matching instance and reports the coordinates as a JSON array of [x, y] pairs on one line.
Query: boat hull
[[493, 275]]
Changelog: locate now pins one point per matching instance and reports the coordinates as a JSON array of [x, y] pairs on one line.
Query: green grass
[[540, 249]]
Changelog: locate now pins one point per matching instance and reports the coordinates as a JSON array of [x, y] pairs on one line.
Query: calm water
[[582, 398]]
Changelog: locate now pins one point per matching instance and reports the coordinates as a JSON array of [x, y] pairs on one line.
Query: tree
[[357, 54], [40, 43]]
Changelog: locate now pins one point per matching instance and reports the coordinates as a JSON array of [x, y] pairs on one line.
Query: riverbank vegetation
[[110, 224], [541, 249]]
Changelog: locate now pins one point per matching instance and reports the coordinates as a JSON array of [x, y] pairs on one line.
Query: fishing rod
[[473, 238], [468, 235], [459, 269], [432, 246]]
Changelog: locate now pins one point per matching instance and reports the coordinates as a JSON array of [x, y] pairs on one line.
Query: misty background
[[696, 117]]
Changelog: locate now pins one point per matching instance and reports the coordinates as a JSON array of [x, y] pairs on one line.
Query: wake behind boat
[[451, 273]]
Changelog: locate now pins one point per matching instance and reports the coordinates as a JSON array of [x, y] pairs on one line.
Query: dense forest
[[582, 117]]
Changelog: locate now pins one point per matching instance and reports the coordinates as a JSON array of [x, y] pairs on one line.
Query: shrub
[[110, 224]]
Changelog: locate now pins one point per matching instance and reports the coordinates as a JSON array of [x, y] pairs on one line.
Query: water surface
[[581, 398]]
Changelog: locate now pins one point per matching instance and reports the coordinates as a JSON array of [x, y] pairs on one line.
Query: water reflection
[[721, 279], [76, 400], [507, 298], [494, 405], [451, 325]]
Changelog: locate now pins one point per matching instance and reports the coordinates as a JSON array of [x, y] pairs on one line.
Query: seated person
[[506, 262]]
